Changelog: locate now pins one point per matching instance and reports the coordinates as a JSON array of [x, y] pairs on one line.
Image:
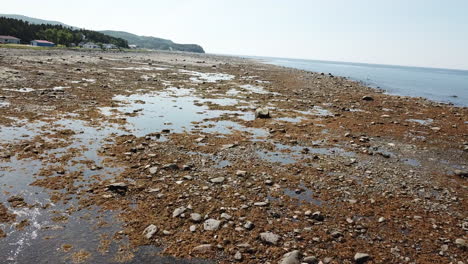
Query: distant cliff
[[153, 43]]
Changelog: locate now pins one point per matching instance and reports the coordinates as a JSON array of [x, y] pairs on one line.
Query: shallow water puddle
[[179, 110], [200, 77], [303, 195]]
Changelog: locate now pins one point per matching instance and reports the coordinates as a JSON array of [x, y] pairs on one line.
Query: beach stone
[[153, 170], [238, 256], [310, 260], [241, 173], [262, 113], [150, 231], [171, 166], [291, 258], [118, 187], [202, 248], [226, 216], [318, 216], [196, 217], [211, 225], [269, 238], [261, 204], [461, 173], [460, 242], [367, 98], [193, 228], [361, 257], [249, 225], [177, 212], [217, 180]]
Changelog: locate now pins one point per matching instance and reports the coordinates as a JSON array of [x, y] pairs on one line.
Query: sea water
[[442, 85]]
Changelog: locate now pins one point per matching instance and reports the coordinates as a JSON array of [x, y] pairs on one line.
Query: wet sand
[[160, 158]]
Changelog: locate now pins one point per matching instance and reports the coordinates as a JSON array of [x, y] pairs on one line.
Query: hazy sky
[[431, 33]]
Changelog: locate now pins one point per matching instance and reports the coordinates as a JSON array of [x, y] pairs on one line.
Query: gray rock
[[203, 248], [292, 257], [361, 257], [249, 225], [226, 216], [317, 216], [262, 113], [261, 204], [171, 166], [461, 173], [460, 242], [310, 260], [153, 170], [367, 98], [150, 231], [269, 238], [217, 180], [238, 256], [241, 173], [177, 212], [118, 187], [211, 225], [196, 217], [193, 228]]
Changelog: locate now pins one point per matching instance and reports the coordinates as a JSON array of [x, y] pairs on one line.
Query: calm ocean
[[442, 85]]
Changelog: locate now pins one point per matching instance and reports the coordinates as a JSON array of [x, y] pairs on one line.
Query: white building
[[109, 46], [9, 40], [91, 45]]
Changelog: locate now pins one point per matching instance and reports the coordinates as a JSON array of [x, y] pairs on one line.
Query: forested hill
[[154, 43], [58, 34]]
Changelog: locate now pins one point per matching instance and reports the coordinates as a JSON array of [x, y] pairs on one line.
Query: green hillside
[[153, 43], [140, 41]]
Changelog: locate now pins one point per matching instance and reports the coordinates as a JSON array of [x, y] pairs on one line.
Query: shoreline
[[168, 144]]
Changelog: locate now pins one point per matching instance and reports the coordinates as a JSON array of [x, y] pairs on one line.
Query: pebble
[[460, 242], [217, 180], [269, 238], [361, 257], [262, 113], [211, 225], [381, 219], [196, 217], [367, 98], [150, 231], [202, 248], [310, 260], [291, 258], [177, 212], [153, 170], [318, 216], [261, 204], [238, 256], [249, 225], [193, 228], [241, 173], [226, 216]]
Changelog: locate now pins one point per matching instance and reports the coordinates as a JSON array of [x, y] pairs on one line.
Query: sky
[[428, 33]]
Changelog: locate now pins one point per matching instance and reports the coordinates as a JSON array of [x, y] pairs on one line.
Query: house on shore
[[90, 45], [9, 40], [109, 46], [133, 46], [42, 43]]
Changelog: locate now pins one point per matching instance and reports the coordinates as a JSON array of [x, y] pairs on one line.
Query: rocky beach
[[159, 157]]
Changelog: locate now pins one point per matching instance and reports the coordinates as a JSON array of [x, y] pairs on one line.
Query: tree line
[[55, 33]]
